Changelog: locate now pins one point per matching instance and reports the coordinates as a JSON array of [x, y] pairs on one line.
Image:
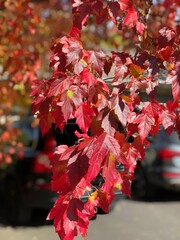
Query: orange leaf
[[136, 70]]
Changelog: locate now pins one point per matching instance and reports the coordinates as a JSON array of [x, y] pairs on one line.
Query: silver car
[[160, 168]]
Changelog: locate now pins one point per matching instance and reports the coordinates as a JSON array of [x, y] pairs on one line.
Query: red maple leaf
[[96, 59], [109, 173], [70, 99], [100, 199], [145, 123], [72, 48], [131, 18], [77, 167], [113, 8], [88, 78], [58, 116], [120, 109], [125, 4], [81, 11], [174, 79], [167, 119], [122, 60], [59, 162], [129, 156], [109, 123], [125, 180], [57, 86], [103, 145], [69, 218], [166, 37], [84, 114], [140, 27], [37, 87]]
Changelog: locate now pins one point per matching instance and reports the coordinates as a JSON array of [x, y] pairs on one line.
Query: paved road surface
[[128, 220]]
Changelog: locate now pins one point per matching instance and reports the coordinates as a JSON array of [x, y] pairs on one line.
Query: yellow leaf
[[70, 94], [93, 196], [117, 186], [126, 98], [136, 70]]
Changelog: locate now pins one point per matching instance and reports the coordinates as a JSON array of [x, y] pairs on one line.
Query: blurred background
[[27, 30]]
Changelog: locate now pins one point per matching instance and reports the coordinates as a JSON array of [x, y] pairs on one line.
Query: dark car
[[25, 184], [160, 168]]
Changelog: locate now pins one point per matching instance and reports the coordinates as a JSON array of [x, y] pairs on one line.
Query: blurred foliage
[[28, 29]]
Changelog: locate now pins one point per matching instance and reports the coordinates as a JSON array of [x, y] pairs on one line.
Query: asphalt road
[[128, 220]]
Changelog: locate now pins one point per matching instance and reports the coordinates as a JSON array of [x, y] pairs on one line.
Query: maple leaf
[[59, 162], [102, 146], [88, 78], [58, 116], [141, 148], [98, 94], [166, 37], [84, 114], [107, 65], [125, 180], [101, 199], [120, 109], [113, 9], [140, 27], [109, 123], [80, 93], [73, 49], [167, 119], [96, 59], [122, 60], [69, 100], [75, 32], [152, 108], [131, 18], [67, 107], [79, 66], [69, 167], [58, 85], [149, 62], [77, 168], [109, 173], [128, 157], [136, 70], [150, 85], [69, 218], [174, 79], [165, 53], [37, 87], [145, 123], [96, 126], [125, 4], [46, 118], [57, 57], [121, 71]]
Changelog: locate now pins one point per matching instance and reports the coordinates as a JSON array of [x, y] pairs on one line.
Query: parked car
[[25, 184], [160, 168]]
